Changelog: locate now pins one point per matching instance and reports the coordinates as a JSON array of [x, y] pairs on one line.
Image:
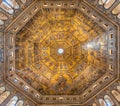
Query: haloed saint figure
[[61, 84]]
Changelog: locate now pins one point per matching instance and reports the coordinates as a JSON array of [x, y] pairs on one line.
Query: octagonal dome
[[61, 52], [37, 59]]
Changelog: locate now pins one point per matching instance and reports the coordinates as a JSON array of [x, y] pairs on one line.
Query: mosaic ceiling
[[52, 51], [61, 51]]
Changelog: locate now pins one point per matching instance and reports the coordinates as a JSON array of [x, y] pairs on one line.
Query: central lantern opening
[[60, 51]]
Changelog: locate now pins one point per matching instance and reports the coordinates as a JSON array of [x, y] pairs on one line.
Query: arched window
[[12, 101], [2, 89], [116, 95], [94, 104], [1, 22], [102, 102], [118, 16], [108, 100], [107, 3], [12, 3], [116, 10], [101, 2], [3, 96], [19, 103], [23, 1], [118, 88], [5, 6]]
